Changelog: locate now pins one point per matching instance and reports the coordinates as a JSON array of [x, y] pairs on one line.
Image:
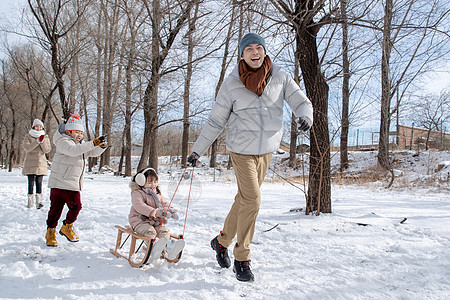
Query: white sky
[[440, 80], [9, 9], [7, 6]]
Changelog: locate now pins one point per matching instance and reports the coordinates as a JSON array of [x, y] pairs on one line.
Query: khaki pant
[[250, 171], [148, 230]]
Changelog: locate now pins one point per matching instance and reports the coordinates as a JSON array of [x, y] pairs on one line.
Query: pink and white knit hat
[[74, 123]]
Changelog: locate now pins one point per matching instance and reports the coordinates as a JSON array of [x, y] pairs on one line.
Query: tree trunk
[[223, 70], [99, 78], [187, 86], [294, 130], [122, 155], [345, 89], [150, 143], [319, 188], [293, 144], [149, 148], [383, 148], [111, 41], [128, 111], [72, 96], [58, 72], [12, 151]]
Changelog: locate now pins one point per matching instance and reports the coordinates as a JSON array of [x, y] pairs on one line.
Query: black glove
[[192, 159], [303, 124], [100, 141]]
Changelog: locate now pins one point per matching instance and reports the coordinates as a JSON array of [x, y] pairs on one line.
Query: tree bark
[[319, 188], [187, 86], [149, 147], [223, 70], [345, 124], [294, 131], [98, 69], [49, 16], [128, 92], [383, 148], [302, 20]]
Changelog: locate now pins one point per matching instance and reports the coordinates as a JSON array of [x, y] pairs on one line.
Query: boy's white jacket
[[253, 124], [69, 163]]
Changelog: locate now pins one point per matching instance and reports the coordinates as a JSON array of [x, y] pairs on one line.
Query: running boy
[[66, 176]]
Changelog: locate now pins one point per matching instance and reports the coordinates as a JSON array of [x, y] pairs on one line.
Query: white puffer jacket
[[69, 163], [253, 123]]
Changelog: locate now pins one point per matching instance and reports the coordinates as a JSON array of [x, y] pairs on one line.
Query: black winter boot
[[221, 253], [242, 270]]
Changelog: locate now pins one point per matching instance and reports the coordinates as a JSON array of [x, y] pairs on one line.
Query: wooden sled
[[136, 259]]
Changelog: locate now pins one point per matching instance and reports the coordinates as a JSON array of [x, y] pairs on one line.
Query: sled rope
[[173, 196], [189, 197]]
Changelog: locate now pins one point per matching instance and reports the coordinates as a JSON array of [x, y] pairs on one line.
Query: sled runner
[[137, 257]]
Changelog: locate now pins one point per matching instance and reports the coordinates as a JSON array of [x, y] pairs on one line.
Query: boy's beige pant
[[250, 171]]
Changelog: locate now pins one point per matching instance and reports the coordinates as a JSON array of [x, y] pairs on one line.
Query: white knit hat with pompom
[[74, 123]]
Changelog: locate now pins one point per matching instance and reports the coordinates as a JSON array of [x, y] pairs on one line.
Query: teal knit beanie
[[251, 38]]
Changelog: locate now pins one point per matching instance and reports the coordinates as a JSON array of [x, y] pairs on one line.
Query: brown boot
[[51, 237], [67, 231]]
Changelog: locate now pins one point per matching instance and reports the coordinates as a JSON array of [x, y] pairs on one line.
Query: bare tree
[[300, 16], [112, 64], [404, 20], [161, 45], [434, 111], [9, 98], [345, 124], [55, 19], [31, 69], [135, 22], [187, 85], [223, 69]]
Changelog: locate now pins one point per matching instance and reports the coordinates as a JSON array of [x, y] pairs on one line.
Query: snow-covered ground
[[294, 256]]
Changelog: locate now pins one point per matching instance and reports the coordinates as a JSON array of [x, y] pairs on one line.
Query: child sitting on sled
[[148, 210]]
